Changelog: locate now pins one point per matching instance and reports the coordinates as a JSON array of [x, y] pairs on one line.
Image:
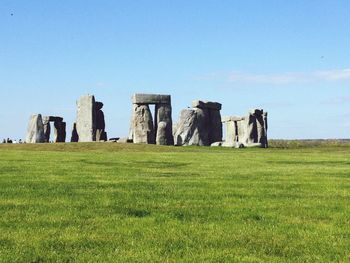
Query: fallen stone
[[216, 144]]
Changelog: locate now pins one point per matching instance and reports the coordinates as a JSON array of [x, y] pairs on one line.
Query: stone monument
[[200, 125], [250, 130], [90, 123], [35, 130], [143, 129]]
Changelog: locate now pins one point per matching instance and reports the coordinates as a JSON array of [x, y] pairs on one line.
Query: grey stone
[[163, 118], [161, 138], [35, 130], [60, 131], [151, 99], [187, 131], [231, 132], [231, 118], [86, 119], [47, 128], [55, 118], [192, 128], [124, 140], [101, 135], [216, 144], [229, 144], [215, 126], [251, 130], [206, 105], [204, 126], [143, 130], [75, 136]]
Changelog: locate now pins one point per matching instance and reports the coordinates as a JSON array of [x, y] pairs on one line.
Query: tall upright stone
[[163, 116], [143, 129], [75, 136], [60, 131], [100, 122], [86, 119], [250, 130], [186, 132], [35, 130], [200, 125], [47, 128]]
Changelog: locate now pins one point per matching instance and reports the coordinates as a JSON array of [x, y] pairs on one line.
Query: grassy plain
[[108, 202]]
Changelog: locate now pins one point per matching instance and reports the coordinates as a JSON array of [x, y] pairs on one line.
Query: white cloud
[[290, 77]]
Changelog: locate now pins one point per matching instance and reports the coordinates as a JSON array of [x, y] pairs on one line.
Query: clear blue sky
[[291, 58]]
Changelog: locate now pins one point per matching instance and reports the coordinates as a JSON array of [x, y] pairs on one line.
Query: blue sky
[[290, 58]]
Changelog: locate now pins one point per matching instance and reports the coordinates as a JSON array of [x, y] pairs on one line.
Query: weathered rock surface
[[251, 130], [186, 131], [142, 114], [86, 119], [101, 135], [151, 99], [163, 118], [47, 128], [161, 138], [35, 130], [215, 126], [143, 130], [74, 137], [60, 131], [55, 118], [200, 125], [203, 104]]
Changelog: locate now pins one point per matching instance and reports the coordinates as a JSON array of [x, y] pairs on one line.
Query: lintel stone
[[231, 118], [151, 99], [206, 105]]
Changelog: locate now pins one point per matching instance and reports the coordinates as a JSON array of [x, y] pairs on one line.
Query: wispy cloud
[[290, 77]]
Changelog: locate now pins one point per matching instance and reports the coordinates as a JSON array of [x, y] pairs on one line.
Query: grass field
[[105, 202]]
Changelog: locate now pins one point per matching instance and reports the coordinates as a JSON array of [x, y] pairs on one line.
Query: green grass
[[105, 202]]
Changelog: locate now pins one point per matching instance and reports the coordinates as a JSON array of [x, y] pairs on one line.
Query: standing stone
[[100, 123], [215, 131], [203, 126], [161, 138], [35, 131], [163, 115], [252, 128], [143, 130], [74, 137], [86, 119], [47, 128], [60, 131], [212, 125], [187, 129], [266, 144]]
